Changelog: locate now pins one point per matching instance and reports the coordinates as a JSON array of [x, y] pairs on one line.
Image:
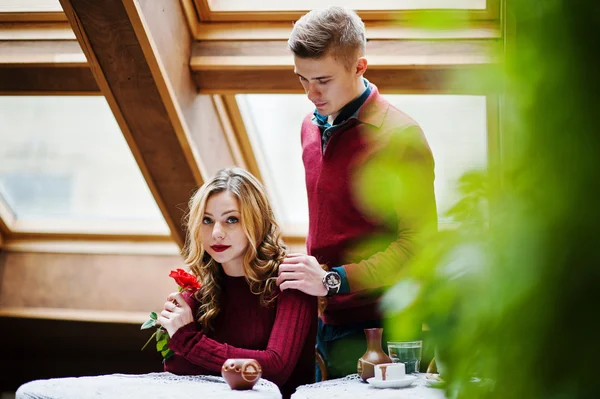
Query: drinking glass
[[407, 352]]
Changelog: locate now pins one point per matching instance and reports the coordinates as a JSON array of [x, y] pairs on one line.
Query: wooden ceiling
[[170, 69]]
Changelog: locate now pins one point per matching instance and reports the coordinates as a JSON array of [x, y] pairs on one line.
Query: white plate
[[406, 381]]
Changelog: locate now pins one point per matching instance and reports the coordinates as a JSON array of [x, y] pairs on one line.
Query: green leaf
[[162, 344], [148, 323], [150, 339], [153, 316], [160, 333], [167, 354]]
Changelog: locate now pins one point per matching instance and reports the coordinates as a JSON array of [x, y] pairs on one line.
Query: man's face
[[328, 83]]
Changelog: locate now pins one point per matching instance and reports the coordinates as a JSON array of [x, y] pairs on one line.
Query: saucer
[[433, 380], [406, 381]]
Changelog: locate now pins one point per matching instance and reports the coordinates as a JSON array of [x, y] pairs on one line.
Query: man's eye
[[323, 82], [206, 221], [302, 79], [232, 220]]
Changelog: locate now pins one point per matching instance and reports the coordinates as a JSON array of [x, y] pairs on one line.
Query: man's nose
[[313, 91]]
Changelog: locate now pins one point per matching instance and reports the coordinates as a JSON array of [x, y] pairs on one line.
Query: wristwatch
[[332, 281]]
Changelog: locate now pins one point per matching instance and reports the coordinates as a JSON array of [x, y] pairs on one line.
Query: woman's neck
[[234, 270]]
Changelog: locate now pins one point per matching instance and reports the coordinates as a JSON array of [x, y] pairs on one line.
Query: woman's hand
[[176, 314]]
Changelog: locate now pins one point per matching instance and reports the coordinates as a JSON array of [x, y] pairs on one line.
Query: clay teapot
[[241, 374], [374, 354]]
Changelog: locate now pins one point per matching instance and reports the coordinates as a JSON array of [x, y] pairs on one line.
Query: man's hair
[[335, 30]]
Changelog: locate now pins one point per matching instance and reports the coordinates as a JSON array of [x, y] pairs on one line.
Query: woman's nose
[[218, 232]]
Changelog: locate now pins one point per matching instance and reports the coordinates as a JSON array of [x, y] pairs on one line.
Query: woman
[[234, 247]]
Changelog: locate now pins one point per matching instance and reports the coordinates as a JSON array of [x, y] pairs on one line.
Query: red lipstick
[[220, 248]]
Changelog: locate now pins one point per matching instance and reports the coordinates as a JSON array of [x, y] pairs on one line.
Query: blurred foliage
[[510, 296]]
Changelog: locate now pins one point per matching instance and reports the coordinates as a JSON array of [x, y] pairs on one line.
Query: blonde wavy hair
[[265, 251]]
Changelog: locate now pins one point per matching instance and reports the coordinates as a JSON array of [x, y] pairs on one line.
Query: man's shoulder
[[383, 115], [396, 119], [397, 129], [307, 123]]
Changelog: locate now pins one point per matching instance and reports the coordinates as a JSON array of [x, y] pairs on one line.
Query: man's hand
[[176, 314], [302, 272]]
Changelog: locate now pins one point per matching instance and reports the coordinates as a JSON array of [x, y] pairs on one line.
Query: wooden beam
[[417, 80], [36, 31], [47, 80], [59, 53], [403, 52], [493, 8], [202, 8], [397, 66], [73, 244], [161, 29], [32, 16], [375, 30], [44, 67], [134, 230], [153, 102]]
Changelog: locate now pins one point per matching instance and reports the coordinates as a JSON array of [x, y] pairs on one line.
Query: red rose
[[185, 280]]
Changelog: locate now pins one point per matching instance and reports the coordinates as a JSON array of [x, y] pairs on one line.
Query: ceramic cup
[[390, 371], [241, 374]]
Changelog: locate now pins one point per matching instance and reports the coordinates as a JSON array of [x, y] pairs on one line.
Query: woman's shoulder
[[295, 296]]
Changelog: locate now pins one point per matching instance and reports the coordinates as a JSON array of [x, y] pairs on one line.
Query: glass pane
[[305, 5], [455, 126], [30, 6], [279, 149], [65, 157]]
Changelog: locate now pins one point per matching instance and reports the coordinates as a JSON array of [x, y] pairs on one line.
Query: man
[[369, 179]]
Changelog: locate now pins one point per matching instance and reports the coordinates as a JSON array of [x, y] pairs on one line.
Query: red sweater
[[343, 214], [281, 337]]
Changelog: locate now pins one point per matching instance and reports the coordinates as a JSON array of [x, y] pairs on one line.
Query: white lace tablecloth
[[353, 387], [132, 386]]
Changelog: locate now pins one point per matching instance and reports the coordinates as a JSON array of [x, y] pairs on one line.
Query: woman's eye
[[206, 221], [232, 220]]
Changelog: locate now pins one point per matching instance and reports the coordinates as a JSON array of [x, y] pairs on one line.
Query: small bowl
[[241, 374]]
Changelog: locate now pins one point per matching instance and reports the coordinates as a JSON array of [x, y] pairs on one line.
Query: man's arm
[[398, 180]]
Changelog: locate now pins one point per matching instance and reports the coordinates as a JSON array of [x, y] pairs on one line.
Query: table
[[131, 386], [352, 386]]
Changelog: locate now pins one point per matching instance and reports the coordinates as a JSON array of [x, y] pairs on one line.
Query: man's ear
[[361, 66]]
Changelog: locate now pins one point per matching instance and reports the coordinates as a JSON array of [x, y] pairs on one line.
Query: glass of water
[[407, 352]]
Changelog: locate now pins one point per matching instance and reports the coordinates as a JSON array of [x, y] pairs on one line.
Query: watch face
[[332, 279]]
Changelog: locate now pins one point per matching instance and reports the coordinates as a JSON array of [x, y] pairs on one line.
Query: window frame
[[205, 14]]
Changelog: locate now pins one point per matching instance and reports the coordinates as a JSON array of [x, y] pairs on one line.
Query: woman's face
[[222, 234]]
